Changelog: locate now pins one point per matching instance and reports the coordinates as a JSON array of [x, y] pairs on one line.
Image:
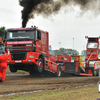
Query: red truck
[[29, 49]]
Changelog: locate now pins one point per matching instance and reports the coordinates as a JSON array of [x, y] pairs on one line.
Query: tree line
[[69, 51], [66, 51], [2, 32]]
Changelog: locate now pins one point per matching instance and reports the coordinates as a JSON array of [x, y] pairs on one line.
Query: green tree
[[83, 52], [2, 31], [71, 51]]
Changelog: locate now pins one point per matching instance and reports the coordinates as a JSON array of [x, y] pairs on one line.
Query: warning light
[[86, 36], [91, 50]]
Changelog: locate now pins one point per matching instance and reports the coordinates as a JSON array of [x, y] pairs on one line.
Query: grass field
[[17, 70], [86, 93]]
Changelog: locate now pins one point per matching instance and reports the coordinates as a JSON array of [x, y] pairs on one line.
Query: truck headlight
[[31, 56], [9, 45]]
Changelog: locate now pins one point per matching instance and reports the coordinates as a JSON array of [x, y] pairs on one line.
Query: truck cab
[[29, 49]]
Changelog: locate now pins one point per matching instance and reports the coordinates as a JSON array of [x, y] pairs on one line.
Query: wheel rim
[[40, 66], [59, 72], [95, 73]]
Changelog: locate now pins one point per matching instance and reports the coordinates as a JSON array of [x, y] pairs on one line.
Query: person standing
[[3, 64]]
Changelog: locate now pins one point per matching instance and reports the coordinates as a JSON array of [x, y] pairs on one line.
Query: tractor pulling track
[[22, 82]]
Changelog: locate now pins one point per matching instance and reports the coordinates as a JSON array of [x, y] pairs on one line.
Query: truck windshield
[[92, 45], [20, 35]]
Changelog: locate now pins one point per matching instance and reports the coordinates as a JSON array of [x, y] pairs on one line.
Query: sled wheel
[[95, 72], [59, 71]]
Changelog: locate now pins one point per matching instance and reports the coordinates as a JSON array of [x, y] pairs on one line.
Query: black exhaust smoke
[[29, 8], [48, 7]]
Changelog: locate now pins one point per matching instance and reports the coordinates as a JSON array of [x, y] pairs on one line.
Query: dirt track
[[21, 82]]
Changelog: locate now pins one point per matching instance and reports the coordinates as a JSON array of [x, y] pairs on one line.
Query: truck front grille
[[18, 56]]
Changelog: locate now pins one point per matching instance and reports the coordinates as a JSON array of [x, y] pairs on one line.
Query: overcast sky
[[62, 27]]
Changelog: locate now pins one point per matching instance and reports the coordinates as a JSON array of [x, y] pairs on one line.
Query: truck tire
[[40, 66], [12, 69], [32, 73], [95, 73], [59, 71], [98, 73]]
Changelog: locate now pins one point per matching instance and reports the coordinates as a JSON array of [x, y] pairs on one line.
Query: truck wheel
[[12, 69], [59, 71], [95, 72], [40, 66], [31, 73], [98, 73]]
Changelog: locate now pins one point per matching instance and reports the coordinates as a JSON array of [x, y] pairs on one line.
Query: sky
[[67, 29]]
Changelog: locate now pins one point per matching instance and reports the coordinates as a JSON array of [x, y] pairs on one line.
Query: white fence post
[[99, 72], [99, 86]]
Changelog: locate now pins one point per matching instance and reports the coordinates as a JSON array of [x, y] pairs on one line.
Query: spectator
[[3, 64]]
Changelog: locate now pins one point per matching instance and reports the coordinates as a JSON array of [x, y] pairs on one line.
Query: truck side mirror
[[38, 35]]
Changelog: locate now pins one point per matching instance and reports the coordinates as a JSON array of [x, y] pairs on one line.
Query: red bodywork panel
[[64, 58], [50, 63], [43, 44], [77, 66]]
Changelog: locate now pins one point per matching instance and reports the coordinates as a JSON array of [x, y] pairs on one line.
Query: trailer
[[73, 64]]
